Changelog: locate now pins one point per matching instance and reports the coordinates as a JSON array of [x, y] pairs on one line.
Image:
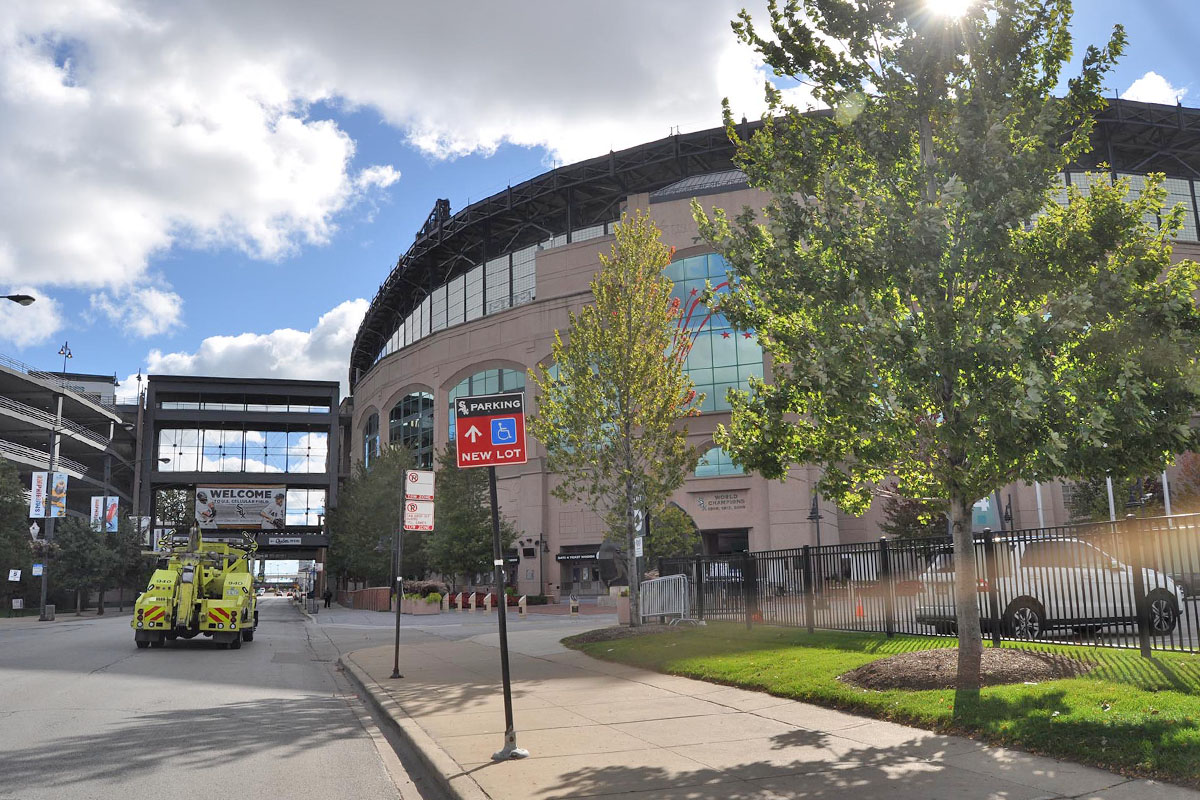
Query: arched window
[[490, 381], [721, 358], [717, 462], [370, 439], [410, 424]]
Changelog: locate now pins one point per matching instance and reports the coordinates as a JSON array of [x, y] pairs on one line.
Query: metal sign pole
[[399, 584], [510, 749]]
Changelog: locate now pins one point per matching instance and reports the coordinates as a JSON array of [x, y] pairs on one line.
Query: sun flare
[[948, 8]]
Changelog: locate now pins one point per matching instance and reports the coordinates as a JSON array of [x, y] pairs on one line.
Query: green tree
[[16, 551], [905, 518], [1087, 500], [672, 534], [131, 567], [930, 313], [362, 527], [461, 542], [610, 419], [83, 562]]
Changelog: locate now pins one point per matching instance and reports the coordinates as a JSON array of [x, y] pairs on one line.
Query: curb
[[440, 766]]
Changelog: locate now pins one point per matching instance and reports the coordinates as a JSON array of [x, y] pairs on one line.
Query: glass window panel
[[724, 349], [725, 374], [256, 451], [474, 289], [491, 382], [439, 309], [701, 354], [455, 294], [1179, 191], [583, 234], [276, 451], [497, 283], [426, 315]]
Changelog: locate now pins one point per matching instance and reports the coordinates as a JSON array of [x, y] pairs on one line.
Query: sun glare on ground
[[948, 8]]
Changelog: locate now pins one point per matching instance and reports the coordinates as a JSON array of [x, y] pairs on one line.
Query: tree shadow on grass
[[181, 739]]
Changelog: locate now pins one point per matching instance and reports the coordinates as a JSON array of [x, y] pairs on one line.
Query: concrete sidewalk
[[596, 729]]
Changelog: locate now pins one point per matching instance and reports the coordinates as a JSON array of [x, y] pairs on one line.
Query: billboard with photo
[[244, 507]]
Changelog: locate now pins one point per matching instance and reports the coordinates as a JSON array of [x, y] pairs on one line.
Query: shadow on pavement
[[180, 739]]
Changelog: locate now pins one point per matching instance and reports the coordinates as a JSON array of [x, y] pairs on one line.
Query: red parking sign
[[490, 430]]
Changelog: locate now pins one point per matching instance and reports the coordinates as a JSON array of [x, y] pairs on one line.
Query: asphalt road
[[84, 714]]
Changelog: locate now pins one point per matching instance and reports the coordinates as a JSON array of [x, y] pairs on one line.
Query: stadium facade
[[475, 301]]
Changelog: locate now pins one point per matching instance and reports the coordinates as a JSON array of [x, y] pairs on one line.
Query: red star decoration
[[694, 292], [746, 335], [725, 335]]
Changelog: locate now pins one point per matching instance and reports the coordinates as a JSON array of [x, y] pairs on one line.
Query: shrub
[[433, 597]]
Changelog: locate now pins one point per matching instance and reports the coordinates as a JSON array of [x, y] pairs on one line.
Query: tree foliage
[[1087, 500], [672, 534], [16, 551], [610, 419], [461, 542], [362, 527], [930, 313], [905, 518], [83, 562]]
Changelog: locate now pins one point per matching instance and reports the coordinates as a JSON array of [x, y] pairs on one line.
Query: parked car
[[1051, 584]]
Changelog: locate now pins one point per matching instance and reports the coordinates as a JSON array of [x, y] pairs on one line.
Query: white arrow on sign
[[473, 433]]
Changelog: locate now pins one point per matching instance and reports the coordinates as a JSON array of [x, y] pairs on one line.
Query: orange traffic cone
[[858, 610]]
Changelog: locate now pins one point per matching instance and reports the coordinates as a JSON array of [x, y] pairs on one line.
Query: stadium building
[[475, 301]]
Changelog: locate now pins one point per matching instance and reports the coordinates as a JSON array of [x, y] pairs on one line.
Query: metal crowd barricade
[[665, 597]]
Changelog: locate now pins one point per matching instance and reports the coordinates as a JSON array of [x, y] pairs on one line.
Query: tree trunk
[[966, 596], [79, 602], [100, 607], [635, 619]]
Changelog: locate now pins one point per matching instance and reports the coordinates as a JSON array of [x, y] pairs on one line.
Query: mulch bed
[[935, 669], [617, 632]]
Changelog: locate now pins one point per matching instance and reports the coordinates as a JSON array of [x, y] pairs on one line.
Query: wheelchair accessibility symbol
[[504, 430]]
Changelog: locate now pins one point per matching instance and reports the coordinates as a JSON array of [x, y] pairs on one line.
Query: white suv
[[1051, 583]]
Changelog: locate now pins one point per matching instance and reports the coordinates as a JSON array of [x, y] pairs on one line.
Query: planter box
[[419, 607], [622, 610]]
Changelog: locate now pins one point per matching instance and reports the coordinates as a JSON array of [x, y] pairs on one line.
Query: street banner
[[418, 484], [490, 430], [418, 515], [104, 513], [56, 505], [38, 490], [241, 506]]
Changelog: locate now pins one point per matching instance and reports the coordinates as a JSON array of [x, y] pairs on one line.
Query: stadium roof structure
[[1128, 136]]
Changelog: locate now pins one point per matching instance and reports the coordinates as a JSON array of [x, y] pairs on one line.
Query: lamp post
[[65, 352], [20, 299]]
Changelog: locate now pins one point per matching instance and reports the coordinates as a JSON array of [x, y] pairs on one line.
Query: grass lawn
[[1129, 714]]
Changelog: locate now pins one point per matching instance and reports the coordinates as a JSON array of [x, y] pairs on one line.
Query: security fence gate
[[1132, 583]]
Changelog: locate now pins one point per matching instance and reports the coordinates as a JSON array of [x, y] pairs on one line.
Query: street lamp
[[65, 352], [20, 299]]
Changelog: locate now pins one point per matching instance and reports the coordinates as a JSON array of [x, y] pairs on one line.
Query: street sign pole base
[[396, 674], [510, 751]]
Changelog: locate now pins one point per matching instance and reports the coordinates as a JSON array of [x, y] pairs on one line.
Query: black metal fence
[[1132, 583]]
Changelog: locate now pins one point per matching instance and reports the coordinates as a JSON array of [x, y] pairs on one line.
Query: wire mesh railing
[[1130, 583]]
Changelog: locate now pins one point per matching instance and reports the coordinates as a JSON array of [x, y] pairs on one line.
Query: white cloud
[[132, 128], [31, 324], [143, 312], [1154, 88], [321, 353]]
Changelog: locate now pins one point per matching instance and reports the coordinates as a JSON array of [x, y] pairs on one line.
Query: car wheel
[[142, 645], [1025, 619], [1163, 612]]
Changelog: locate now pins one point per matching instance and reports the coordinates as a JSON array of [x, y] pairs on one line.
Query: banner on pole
[[104, 514], [418, 515], [57, 503], [38, 490], [263, 507]]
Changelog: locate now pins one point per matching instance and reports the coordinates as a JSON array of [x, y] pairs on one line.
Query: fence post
[[885, 574], [698, 564], [749, 588], [810, 595], [1139, 588], [991, 572]]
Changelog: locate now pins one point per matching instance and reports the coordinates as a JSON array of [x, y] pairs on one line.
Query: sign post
[[491, 431], [416, 514]]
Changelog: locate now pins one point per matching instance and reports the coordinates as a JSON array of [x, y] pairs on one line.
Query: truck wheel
[[236, 644], [1164, 614], [248, 635], [159, 643], [141, 645], [222, 645]]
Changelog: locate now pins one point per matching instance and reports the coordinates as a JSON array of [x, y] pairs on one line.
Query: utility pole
[[53, 464]]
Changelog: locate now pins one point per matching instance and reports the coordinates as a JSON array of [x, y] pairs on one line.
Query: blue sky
[[220, 190]]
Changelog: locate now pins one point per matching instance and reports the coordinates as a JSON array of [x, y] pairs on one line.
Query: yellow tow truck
[[199, 588]]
